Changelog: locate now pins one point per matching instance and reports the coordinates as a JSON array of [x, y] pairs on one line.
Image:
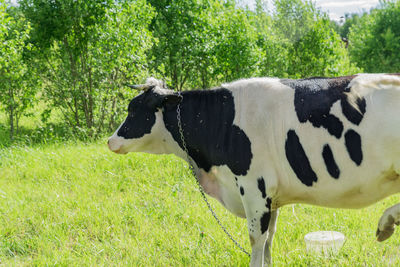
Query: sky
[[336, 8]]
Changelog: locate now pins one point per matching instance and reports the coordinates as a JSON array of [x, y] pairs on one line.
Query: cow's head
[[143, 129]]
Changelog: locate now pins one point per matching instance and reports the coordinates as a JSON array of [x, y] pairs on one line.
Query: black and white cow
[[262, 143]]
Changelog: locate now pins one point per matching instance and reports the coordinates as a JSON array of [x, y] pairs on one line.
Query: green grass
[[78, 204], [32, 131]]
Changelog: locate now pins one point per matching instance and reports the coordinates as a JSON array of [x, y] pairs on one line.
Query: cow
[[261, 143]]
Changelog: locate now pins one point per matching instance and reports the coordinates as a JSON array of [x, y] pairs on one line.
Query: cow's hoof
[[385, 227], [384, 234]]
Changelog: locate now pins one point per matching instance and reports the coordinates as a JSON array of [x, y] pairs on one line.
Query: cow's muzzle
[[115, 146]]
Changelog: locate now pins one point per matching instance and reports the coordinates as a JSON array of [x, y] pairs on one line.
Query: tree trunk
[[91, 102], [11, 113], [76, 112]]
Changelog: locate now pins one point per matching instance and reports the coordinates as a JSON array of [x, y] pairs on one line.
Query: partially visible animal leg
[[261, 220], [261, 238], [388, 220], [271, 232]]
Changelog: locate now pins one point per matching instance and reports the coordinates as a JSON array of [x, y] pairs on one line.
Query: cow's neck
[[211, 138]]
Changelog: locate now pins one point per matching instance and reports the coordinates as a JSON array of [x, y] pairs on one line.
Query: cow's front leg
[[261, 221], [390, 217], [261, 232]]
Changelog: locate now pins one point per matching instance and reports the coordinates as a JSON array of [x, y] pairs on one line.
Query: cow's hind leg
[[390, 217]]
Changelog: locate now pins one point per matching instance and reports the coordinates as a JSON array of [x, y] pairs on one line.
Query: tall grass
[[78, 204]]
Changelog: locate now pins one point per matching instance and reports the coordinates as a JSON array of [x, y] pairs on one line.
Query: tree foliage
[[179, 27], [16, 90], [77, 55], [90, 50], [375, 40], [203, 42], [349, 21], [236, 50], [299, 41], [320, 52], [119, 57]]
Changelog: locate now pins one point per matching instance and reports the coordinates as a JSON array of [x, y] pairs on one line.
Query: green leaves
[[236, 50], [202, 43], [78, 54], [301, 43], [375, 39], [87, 50], [16, 93]]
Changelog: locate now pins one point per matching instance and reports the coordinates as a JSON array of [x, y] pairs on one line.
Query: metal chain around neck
[[190, 161]]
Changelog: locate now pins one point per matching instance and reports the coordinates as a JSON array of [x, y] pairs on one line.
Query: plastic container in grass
[[324, 242]]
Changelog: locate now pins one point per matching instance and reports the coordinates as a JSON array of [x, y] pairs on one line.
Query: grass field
[[78, 204]]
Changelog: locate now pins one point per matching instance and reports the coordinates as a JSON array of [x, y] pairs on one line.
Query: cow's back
[[330, 142]]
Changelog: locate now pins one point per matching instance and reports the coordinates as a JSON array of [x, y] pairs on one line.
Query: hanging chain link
[[178, 116]]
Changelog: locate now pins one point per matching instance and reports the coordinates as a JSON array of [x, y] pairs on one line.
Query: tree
[[181, 29], [320, 52], [236, 50], [304, 43], [62, 31], [203, 42], [273, 56], [350, 20], [89, 49], [16, 92], [375, 40], [294, 18], [119, 57]]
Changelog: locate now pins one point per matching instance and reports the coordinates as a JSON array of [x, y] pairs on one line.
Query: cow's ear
[[171, 100]]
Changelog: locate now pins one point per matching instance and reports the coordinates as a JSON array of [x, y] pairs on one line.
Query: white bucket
[[324, 242]]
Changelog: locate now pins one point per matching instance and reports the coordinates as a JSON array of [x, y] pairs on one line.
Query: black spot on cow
[[264, 221], [265, 218], [353, 145], [261, 186], [330, 162], [314, 98], [241, 191], [298, 159], [142, 112], [354, 113], [141, 118], [268, 204], [211, 137]]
